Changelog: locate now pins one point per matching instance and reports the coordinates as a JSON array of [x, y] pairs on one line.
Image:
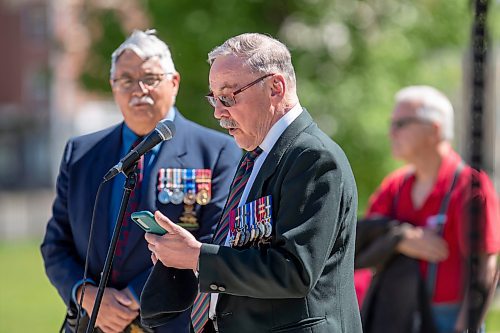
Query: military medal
[[243, 237], [268, 228], [260, 218], [237, 233], [240, 227], [188, 218], [262, 229], [247, 235], [190, 198], [189, 187], [253, 220], [248, 217], [163, 195], [202, 197], [170, 184], [232, 231], [256, 223], [204, 186], [177, 195], [243, 226], [268, 225]]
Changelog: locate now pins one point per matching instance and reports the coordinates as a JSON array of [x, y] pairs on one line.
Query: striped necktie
[[132, 206], [199, 313]]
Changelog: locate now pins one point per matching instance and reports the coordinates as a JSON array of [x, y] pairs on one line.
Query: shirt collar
[[279, 127], [129, 137]]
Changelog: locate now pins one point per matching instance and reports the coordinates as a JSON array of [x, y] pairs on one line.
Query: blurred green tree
[[106, 34], [350, 57]]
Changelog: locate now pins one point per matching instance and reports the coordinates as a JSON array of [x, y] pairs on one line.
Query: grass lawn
[[493, 320], [29, 303]]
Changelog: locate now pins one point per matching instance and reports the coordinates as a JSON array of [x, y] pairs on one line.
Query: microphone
[[164, 131]]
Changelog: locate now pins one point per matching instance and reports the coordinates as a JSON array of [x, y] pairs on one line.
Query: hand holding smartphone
[[147, 222]]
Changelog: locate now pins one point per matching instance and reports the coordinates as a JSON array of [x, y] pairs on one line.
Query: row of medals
[[258, 230], [176, 192]]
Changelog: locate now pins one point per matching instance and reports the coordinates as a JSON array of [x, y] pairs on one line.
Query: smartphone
[[147, 222]]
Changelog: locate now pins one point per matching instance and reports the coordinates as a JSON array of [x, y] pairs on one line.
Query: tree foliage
[[350, 58]]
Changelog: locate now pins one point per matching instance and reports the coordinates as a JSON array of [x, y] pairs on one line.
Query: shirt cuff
[[132, 291], [76, 286]]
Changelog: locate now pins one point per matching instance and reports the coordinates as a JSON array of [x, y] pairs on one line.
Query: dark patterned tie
[[199, 314], [126, 222]]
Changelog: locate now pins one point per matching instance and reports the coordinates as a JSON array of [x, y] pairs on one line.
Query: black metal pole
[[476, 296], [128, 188]]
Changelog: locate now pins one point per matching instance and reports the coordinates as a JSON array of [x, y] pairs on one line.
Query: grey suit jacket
[[303, 280]]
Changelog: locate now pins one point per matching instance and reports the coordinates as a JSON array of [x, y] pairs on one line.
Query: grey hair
[[435, 106], [146, 45], [261, 53]]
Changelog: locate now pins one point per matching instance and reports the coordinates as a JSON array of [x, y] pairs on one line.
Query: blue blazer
[[85, 161]]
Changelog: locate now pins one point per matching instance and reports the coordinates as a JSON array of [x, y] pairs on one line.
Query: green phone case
[[147, 222]]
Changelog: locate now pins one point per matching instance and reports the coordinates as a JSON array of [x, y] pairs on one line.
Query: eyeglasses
[[229, 100], [403, 122], [149, 82]]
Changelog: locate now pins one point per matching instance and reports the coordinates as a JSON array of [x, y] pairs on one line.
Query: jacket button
[[222, 289], [213, 286]]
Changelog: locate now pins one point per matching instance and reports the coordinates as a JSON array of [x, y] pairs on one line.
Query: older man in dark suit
[[186, 178], [282, 257]]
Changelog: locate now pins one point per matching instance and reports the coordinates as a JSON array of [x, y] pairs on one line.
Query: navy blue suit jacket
[[85, 161]]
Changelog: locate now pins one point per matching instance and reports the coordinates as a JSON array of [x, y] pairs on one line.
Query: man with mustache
[[282, 257], [186, 178]]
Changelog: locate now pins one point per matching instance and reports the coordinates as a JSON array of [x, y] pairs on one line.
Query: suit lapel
[[172, 153], [107, 153], [279, 149], [274, 157]]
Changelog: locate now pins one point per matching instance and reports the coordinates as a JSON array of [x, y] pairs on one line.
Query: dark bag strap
[[442, 217]]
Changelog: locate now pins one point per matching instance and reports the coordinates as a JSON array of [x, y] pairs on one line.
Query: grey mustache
[[141, 100], [227, 123]]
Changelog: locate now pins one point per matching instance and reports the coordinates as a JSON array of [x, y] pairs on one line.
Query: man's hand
[[424, 244], [177, 248], [118, 308], [134, 304]]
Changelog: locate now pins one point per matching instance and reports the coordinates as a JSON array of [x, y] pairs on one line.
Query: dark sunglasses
[[403, 122], [229, 100]]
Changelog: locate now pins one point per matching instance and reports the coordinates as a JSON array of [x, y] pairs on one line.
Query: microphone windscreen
[[166, 128]]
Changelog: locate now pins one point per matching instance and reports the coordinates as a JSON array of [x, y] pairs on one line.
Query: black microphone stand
[[127, 190]]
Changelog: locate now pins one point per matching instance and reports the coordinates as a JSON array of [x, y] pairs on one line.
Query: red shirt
[[450, 272]]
